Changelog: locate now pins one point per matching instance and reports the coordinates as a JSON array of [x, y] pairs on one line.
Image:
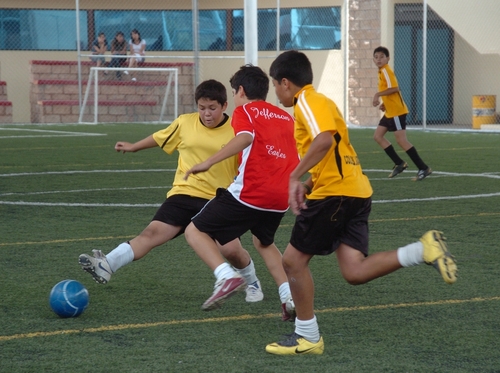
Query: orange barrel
[[483, 110]]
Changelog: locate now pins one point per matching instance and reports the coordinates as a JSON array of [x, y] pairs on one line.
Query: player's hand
[[296, 196], [376, 101], [382, 107], [200, 167], [122, 146]]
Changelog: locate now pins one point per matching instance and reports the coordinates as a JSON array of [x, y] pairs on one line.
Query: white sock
[[308, 329], [284, 291], [120, 256], [411, 255], [248, 273], [224, 271]]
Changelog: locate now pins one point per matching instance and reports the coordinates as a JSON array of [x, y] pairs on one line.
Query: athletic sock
[[411, 255], [224, 271], [308, 329], [284, 291], [393, 155], [120, 256], [413, 154], [248, 273]]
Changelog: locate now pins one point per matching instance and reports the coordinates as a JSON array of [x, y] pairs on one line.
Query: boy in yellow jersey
[[394, 119], [334, 215], [196, 137]]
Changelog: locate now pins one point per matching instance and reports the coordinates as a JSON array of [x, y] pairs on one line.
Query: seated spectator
[[118, 48], [137, 48], [99, 48]]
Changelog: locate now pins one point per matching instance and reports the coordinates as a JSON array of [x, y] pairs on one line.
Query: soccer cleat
[[436, 254], [397, 169], [125, 72], [288, 310], [222, 290], [134, 79], [254, 292], [422, 174], [295, 344], [97, 266]]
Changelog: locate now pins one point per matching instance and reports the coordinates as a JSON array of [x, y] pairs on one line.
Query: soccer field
[[64, 191]]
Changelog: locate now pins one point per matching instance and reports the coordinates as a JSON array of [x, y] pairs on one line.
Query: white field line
[[81, 191], [52, 133], [23, 203], [86, 172], [405, 175]]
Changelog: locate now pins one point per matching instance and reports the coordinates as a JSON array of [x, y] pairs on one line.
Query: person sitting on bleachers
[[99, 48]]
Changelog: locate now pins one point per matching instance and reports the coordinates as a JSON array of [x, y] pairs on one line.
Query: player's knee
[[354, 278]]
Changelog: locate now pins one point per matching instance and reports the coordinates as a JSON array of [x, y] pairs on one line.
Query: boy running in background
[[257, 199], [195, 136], [394, 119], [334, 217]]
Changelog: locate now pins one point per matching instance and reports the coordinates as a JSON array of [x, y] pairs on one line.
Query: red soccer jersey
[[265, 165]]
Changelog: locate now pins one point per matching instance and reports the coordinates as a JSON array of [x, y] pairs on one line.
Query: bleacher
[[54, 93], [5, 104]]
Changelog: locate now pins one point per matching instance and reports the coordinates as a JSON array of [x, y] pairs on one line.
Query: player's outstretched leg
[[436, 253], [294, 344], [97, 266]]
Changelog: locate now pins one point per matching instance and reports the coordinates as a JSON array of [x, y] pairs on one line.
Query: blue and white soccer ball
[[68, 298]]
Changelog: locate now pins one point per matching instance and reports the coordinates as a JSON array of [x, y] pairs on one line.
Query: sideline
[[52, 133], [108, 328]]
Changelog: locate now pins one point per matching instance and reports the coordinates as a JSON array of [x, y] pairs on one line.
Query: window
[[24, 29], [169, 30]]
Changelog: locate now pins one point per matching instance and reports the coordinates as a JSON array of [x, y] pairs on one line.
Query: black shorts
[[393, 124], [326, 223], [224, 219], [179, 209]]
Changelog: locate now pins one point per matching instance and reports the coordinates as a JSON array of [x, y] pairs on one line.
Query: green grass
[[59, 198]]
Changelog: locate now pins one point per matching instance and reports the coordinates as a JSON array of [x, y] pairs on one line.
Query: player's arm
[[317, 151], [233, 147], [148, 142], [385, 92]]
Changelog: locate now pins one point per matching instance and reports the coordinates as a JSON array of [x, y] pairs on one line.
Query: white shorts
[[139, 58]]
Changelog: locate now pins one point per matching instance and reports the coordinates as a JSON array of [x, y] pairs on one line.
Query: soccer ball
[[68, 298]]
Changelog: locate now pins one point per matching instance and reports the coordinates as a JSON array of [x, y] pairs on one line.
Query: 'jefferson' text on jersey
[[266, 164]]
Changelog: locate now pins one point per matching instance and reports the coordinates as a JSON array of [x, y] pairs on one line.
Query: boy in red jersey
[[394, 119], [257, 199], [335, 215]]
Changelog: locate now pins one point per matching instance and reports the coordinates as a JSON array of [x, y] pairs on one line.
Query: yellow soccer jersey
[[339, 173], [394, 103], [195, 143]]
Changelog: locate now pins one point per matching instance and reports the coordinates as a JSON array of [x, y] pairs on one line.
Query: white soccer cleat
[[254, 292], [97, 266]]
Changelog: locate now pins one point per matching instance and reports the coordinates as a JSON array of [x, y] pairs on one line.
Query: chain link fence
[[447, 70]]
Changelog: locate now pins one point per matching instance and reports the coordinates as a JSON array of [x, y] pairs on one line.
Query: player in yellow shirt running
[[332, 206]]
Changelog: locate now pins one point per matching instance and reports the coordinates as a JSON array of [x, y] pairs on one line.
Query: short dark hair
[[211, 90], [294, 66], [254, 81], [384, 50]]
